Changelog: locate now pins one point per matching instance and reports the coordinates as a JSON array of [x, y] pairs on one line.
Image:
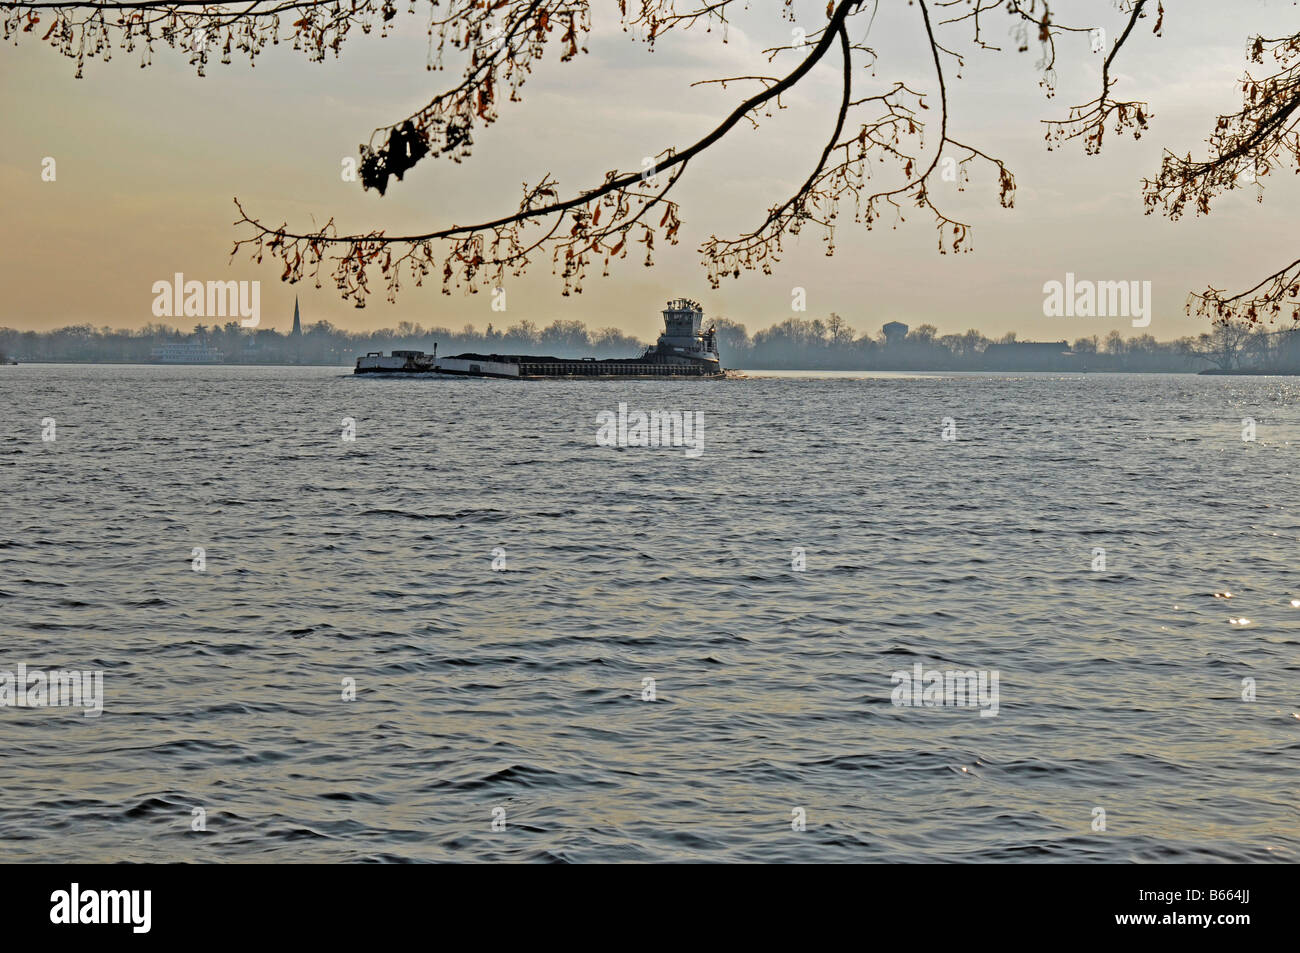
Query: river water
[[566, 651]]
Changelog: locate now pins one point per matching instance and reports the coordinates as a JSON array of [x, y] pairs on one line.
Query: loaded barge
[[683, 350]]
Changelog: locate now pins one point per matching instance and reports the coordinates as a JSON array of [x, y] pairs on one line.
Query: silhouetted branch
[[1244, 147]]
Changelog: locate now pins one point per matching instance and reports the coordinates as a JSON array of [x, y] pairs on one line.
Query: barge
[[684, 349]]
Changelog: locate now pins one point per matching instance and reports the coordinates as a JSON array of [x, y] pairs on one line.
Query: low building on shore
[[1031, 356]]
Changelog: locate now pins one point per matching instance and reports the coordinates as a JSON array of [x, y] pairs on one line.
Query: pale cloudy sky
[[149, 160]]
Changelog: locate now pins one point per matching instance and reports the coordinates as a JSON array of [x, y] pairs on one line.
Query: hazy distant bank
[[794, 344], [779, 370]]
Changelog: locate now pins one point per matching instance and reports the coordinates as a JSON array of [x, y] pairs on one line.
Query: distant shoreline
[[1214, 371], [20, 361]]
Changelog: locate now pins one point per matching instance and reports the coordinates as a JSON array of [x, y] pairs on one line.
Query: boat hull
[[684, 350]]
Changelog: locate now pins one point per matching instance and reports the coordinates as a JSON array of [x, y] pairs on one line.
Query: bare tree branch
[[502, 42], [1245, 146]]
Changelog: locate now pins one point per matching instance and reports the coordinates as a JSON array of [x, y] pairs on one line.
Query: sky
[[149, 160]]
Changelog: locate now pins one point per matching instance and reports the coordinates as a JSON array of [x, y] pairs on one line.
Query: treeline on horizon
[[793, 344]]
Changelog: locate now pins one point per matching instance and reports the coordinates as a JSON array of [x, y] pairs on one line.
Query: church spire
[[297, 323]]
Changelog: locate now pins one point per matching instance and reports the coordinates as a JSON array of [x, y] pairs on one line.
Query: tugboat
[[683, 350]]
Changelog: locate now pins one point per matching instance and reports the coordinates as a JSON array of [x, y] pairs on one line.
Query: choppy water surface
[[522, 689]]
